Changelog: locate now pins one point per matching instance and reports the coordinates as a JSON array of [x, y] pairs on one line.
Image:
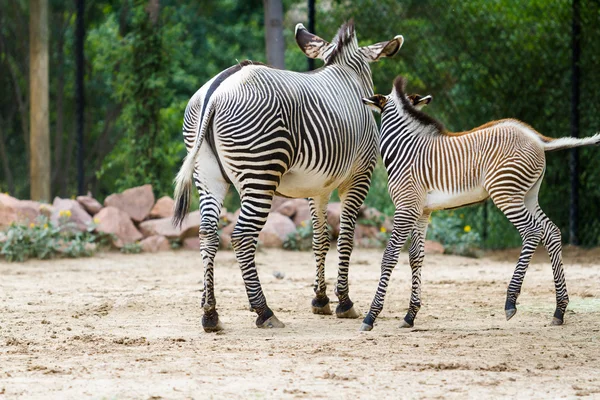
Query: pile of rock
[[134, 216]]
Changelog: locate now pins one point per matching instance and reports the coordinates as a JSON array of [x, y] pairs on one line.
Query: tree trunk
[[38, 89], [275, 44]]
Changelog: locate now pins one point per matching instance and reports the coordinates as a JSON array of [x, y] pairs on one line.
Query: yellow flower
[[68, 213], [32, 225], [45, 226], [96, 220], [467, 228], [303, 223], [382, 229]]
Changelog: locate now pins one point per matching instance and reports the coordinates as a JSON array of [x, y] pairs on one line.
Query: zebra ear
[[379, 50], [375, 102], [312, 45]]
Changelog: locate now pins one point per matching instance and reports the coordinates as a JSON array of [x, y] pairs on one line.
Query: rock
[[191, 243], [90, 204], [276, 230], [136, 202], [17, 211], [224, 241], [154, 244], [334, 211], [164, 227], [163, 208], [432, 247], [373, 214], [70, 211], [277, 202], [365, 231], [112, 220], [296, 209]]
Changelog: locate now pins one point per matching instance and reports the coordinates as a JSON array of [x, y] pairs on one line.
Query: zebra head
[[344, 46]]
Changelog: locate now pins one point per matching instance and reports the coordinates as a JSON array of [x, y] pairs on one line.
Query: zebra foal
[[269, 131], [431, 169]]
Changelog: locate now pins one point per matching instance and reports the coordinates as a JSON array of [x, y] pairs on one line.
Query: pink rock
[[365, 231], [296, 209], [373, 214], [155, 244], [277, 202], [77, 214], [17, 211], [113, 220], [432, 247], [334, 211], [276, 230], [136, 202], [191, 243], [164, 227], [163, 208], [90, 204]]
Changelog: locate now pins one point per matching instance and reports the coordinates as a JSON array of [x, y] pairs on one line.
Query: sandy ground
[[128, 326]]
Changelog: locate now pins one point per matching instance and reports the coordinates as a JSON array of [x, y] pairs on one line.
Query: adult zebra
[[431, 169], [269, 131]]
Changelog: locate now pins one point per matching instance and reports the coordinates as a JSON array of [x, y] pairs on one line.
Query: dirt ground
[[128, 326]]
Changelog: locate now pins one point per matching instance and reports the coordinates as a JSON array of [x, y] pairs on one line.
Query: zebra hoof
[[510, 313], [365, 327], [272, 322], [405, 324], [350, 313], [557, 321], [320, 305], [212, 323]]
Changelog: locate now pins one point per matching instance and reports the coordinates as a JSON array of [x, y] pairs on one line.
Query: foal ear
[[379, 50], [375, 102], [312, 45]]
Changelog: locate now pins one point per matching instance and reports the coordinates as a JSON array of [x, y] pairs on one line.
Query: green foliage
[[301, 239], [131, 248], [452, 230], [44, 240]]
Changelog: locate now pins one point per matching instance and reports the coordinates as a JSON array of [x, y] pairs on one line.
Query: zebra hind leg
[[416, 255], [210, 209], [531, 234], [253, 215], [320, 245], [551, 239], [404, 221]]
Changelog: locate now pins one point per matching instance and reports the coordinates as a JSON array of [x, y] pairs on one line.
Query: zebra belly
[[441, 200], [298, 183]]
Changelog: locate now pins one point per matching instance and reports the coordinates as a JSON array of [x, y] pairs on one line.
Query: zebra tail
[[184, 179], [570, 142]]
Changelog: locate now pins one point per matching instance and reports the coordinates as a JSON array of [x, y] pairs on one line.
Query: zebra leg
[[416, 255], [531, 234], [404, 221], [353, 195], [551, 239], [320, 245], [253, 215]]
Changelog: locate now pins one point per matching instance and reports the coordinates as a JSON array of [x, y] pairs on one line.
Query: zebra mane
[[345, 37], [425, 119]]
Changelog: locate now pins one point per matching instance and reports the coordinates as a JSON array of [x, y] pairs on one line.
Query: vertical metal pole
[[574, 154], [39, 134], [311, 28], [80, 94]]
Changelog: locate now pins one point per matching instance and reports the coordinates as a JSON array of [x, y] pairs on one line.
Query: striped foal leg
[[253, 215], [404, 222], [531, 234], [352, 196], [551, 239], [416, 254], [320, 245]]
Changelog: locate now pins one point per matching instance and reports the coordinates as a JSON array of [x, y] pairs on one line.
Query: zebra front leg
[[353, 195], [416, 255], [320, 245], [404, 222], [552, 240], [252, 218]]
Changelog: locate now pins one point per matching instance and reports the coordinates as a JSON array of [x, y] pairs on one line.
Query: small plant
[[44, 240], [131, 248], [457, 237], [301, 239]]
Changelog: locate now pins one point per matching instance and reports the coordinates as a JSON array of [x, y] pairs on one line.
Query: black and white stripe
[[273, 132], [431, 169]]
